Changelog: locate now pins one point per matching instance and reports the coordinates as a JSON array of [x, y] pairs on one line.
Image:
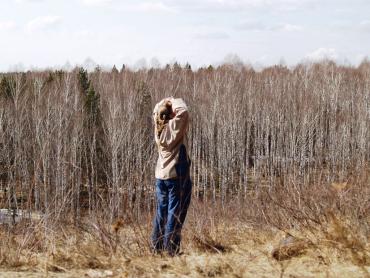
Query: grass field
[[224, 248]]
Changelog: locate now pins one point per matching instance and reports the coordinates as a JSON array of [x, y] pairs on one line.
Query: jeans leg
[[173, 227], [185, 197], [182, 170], [161, 216], [186, 188]]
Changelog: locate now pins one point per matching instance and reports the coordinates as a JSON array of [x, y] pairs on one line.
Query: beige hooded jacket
[[171, 138]]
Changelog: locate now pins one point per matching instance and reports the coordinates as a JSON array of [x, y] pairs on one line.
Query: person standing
[[173, 183]]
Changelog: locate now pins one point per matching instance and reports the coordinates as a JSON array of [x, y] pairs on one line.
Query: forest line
[[72, 142]]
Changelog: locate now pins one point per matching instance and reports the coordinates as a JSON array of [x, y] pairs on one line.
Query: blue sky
[[47, 33]]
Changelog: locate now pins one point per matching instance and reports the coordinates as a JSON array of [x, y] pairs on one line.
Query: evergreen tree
[[59, 74], [83, 81], [90, 97], [188, 66], [176, 67], [114, 70], [123, 68], [92, 106], [97, 69], [93, 143], [5, 87]]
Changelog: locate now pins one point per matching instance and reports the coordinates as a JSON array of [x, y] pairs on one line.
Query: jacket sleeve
[[177, 126]]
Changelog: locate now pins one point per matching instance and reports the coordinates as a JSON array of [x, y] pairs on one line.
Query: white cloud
[[147, 7], [323, 53], [198, 31], [43, 23], [96, 2], [251, 26], [28, 1], [365, 25], [289, 27], [259, 26], [153, 7], [241, 5], [85, 34], [212, 35], [6, 25]]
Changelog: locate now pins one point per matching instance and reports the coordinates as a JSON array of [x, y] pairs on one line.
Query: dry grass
[[221, 250], [310, 232]]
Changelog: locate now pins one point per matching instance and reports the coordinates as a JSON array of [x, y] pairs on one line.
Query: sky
[[37, 34]]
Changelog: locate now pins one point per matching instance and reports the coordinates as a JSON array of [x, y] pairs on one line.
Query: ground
[[251, 258]]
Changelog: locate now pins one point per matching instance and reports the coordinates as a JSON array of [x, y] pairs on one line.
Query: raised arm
[[177, 126]]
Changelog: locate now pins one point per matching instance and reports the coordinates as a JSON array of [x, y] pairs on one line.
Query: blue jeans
[[173, 199]]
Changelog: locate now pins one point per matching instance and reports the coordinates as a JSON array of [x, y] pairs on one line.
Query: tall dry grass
[[216, 242]]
